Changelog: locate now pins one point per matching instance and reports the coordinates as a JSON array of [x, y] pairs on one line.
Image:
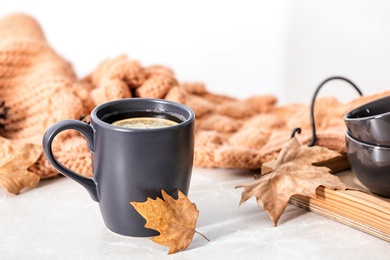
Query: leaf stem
[[191, 230], [202, 235]]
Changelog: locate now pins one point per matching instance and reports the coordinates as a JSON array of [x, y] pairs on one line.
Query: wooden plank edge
[[374, 208], [343, 220], [355, 196], [356, 214]]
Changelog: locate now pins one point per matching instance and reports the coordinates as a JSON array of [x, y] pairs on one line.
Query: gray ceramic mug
[[131, 164]]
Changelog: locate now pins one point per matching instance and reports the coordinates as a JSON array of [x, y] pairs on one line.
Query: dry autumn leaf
[[293, 174], [15, 159], [174, 219]]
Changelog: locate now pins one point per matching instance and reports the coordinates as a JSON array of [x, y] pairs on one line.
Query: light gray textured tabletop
[[59, 220]]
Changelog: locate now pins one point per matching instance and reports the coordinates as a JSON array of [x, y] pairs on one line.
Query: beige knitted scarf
[[40, 88]]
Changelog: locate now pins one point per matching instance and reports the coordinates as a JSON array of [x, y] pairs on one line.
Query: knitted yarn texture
[[40, 87]]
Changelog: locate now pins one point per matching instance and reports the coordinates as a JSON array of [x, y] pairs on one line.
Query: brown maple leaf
[[293, 174], [15, 159], [174, 219]]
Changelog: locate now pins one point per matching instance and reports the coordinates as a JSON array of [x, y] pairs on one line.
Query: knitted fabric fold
[[40, 88]]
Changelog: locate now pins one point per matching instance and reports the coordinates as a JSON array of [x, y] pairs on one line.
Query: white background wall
[[238, 48], [348, 38]]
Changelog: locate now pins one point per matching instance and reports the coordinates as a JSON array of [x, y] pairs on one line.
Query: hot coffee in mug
[[139, 147], [143, 120]]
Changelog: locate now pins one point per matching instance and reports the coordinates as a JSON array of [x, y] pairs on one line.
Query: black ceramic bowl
[[370, 122], [370, 164]]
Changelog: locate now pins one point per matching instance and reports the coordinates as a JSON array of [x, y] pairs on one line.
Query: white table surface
[[58, 220]]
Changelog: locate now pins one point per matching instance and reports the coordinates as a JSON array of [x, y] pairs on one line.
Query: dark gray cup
[[131, 164]]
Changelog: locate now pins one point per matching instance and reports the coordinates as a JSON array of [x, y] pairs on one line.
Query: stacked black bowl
[[368, 145]]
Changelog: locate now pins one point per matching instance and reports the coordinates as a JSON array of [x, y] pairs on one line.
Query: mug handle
[[88, 132]]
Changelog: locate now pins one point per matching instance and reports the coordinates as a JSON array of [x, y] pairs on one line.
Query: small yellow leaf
[[174, 219]]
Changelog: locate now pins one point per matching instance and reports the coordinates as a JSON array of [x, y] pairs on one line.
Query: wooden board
[[361, 210]]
